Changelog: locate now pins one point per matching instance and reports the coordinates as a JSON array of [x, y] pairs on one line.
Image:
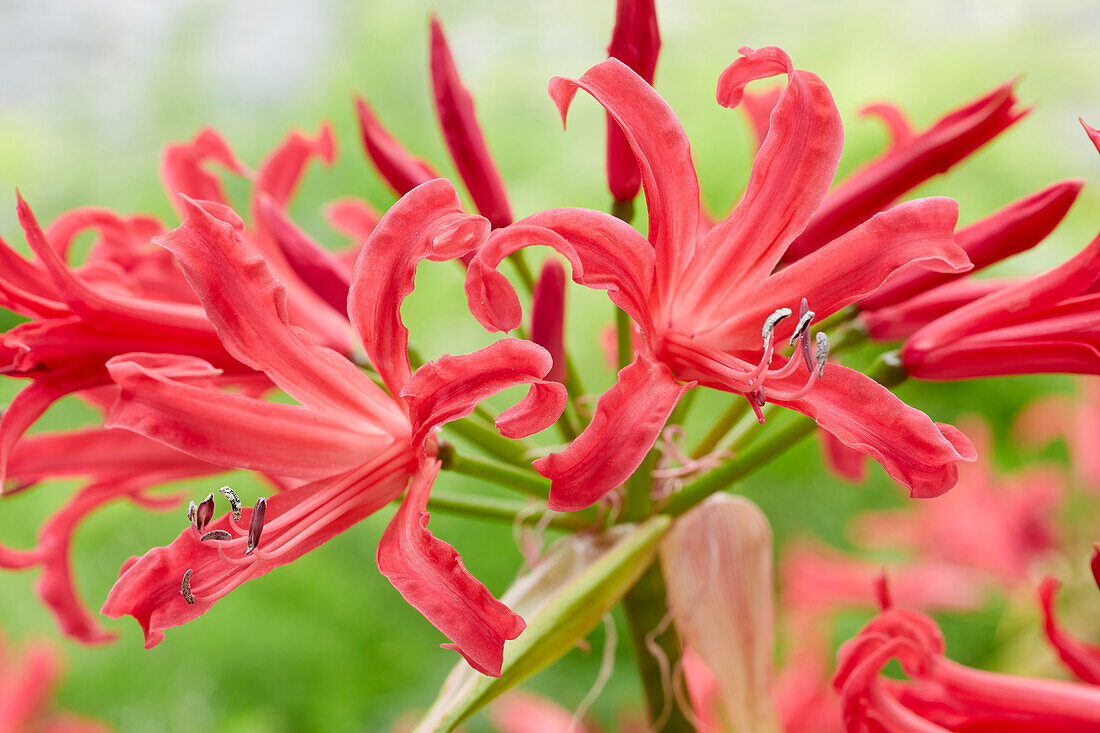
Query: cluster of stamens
[[800, 339], [200, 515]]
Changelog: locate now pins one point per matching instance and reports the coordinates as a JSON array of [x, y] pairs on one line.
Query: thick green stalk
[[501, 474], [624, 349], [483, 436], [646, 607], [726, 423], [506, 510], [638, 498]]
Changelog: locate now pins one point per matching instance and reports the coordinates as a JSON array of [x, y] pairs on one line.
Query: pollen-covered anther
[[205, 512], [192, 512], [771, 322], [186, 589], [256, 525], [804, 321], [821, 351], [234, 502], [216, 534]]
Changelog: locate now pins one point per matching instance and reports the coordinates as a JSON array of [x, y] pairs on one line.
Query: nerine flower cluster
[[187, 336]]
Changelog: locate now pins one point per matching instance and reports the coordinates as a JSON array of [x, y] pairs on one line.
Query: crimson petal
[[397, 166], [183, 173]]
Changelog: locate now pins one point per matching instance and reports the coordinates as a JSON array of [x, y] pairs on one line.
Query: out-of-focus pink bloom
[[816, 579], [941, 695], [355, 446], [678, 289], [1082, 659], [454, 107], [119, 465], [27, 682], [1018, 524], [1076, 420], [636, 41], [911, 159], [522, 712]]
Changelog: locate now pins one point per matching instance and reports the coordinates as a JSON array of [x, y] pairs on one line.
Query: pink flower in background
[[1082, 659], [1074, 419], [678, 289], [27, 682], [355, 446]]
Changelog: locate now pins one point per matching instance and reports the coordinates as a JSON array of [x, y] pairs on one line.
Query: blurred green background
[[89, 92]]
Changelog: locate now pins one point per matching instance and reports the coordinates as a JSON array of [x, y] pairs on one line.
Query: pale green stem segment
[[501, 474], [646, 607], [624, 349], [516, 452], [507, 510], [553, 630], [726, 422]]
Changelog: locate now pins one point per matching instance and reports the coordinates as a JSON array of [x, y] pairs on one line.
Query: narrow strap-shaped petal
[[897, 322], [295, 522], [427, 223], [628, 419], [26, 287], [548, 316], [398, 167], [867, 417], [111, 227], [450, 387], [1016, 228], [248, 308], [893, 119], [791, 173], [430, 575], [915, 234], [463, 135], [973, 359], [663, 154], [231, 429], [636, 41], [604, 252], [352, 217], [281, 172], [1031, 295], [320, 270], [841, 460], [543, 404], [1092, 132], [1082, 659], [182, 168], [878, 184]]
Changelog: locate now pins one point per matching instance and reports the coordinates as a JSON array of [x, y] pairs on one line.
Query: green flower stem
[[638, 499], [842, 316], [745, 463], [486, 437], [506, 510], [646, 607], [624, 349], [501, 474], [524, 272], [737, 410]]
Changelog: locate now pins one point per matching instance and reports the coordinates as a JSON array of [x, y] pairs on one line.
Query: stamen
[[771, 322], [205, 512], [757, 399], [191, 513], [234, 502], [216, 534], [187, 588], [821, 352], [256, 525]]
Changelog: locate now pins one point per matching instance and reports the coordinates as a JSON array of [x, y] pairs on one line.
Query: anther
[[216, 534], [821, 352], [771, 322], [191, 512], [803, 323], [205, 512], [234, 502], [256, 525], [187, 588]]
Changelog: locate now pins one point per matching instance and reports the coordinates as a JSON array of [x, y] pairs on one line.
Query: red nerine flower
[[354, 445], [27, 682], [941, 695], [699, 305]]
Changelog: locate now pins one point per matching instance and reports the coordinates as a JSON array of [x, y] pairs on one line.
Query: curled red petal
[[543, 405], [398, 167], [897, 124], [430, 575], [636, 41], [463, 135], [628, 419], [281, 172], [1014, 229], [324, 273], [183, 172], [663, 154], [790, 175], [26, 287], [1082, 659], [878, 184], [450, 387], [548, 316], [427, 223], [1092, 132], [232, 429], [867, 417]]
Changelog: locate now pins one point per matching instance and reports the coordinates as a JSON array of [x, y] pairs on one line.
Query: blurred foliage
[[326, 643]]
